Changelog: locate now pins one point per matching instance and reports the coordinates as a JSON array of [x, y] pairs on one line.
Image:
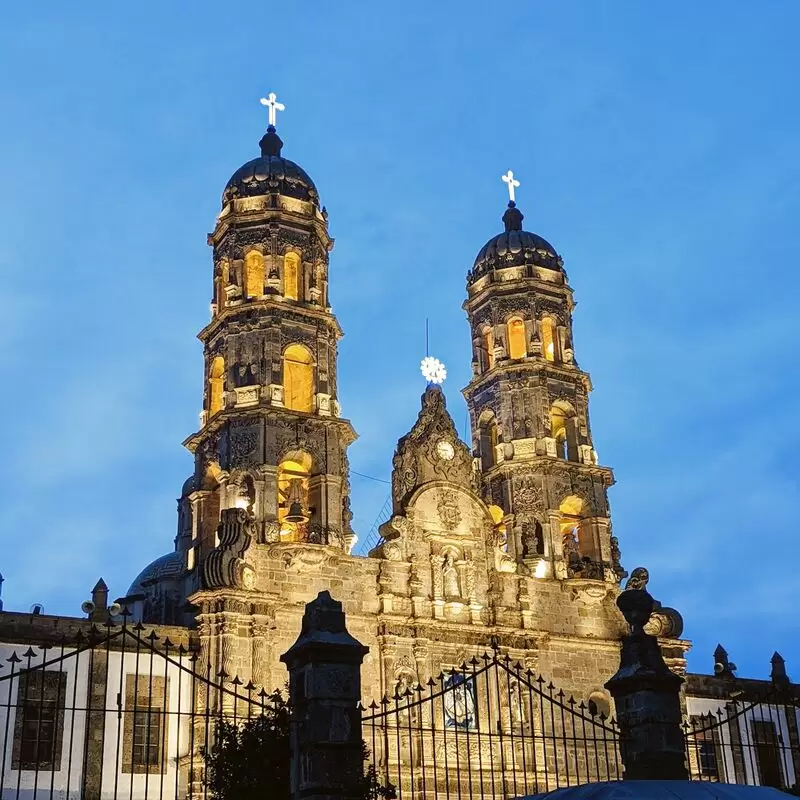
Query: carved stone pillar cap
[[324, 636]]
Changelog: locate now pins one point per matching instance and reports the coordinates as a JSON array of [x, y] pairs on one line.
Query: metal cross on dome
[[271, 102], [509, 179]]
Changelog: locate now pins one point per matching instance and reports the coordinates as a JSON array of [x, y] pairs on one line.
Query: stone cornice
[[497, 289], [218, 421], [548, 465], [272, 310], [234, 220], [533, 366], [52, 631]]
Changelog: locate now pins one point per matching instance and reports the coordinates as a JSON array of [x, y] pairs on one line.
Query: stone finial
[[270, 144], [513, 217], [723, 666], [636, 606], [646, 695], [323, 627], [778, 674]]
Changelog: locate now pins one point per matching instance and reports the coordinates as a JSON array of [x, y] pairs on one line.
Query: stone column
[[324, 689], [647, 698]]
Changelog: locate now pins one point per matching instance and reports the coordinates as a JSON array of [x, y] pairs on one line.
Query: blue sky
[[657, 149]]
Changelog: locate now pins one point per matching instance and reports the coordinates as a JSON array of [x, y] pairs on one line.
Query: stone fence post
[[647, 698], [324, 691]]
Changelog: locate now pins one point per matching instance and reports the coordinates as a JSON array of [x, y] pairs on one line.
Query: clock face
[[445, 450]]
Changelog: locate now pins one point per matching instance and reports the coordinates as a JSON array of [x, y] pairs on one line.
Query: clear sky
[[657, 149]]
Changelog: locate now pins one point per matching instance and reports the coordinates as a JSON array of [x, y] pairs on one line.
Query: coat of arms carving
[[449, 512]]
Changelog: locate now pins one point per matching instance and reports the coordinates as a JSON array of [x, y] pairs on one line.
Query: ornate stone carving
[[415, 584], [272, 531], [468, 577], [528, 493], [437, 561], [244, 438], [616, 560], [447, 506], [225, 565], [419, 459], [560, 487], [665, 623], [300, 556]]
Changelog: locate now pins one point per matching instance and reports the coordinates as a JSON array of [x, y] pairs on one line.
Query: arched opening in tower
[[293, 510], [488, 442], [291, 276], [253, 274], [298, 378], [517, 347], [563, 429], [548, 336], [216, 379]]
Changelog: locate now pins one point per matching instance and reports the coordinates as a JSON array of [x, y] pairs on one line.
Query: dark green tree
[[251, 757]]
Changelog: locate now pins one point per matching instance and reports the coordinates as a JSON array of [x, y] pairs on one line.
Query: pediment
[[430, 451]]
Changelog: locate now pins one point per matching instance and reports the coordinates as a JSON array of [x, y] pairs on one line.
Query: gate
[[750, 740], [115, 712], [489, 728]]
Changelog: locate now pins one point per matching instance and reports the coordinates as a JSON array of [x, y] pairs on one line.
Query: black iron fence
[[117, 713], [120, 712], [489, 728], [750, 740]]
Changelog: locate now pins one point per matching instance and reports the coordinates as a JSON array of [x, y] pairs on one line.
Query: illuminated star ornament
[[433, 370], [271, 102], [509, 179]]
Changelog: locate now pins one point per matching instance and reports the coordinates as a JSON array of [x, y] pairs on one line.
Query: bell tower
[[529, 409], [271, 441]]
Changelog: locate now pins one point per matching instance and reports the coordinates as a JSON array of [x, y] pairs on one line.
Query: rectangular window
[[145, 732], [706, 744], [39, 723], [767, 743]]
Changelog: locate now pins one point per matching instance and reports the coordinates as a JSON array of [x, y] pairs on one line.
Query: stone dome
[[163, 568], [270, 172], [515, 247]]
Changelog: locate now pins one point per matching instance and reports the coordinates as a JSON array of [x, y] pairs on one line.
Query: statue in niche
[[572, 553], [244, 374], [503, 562], [532, 539], [404, 685], [245, 495], [450, 578], [517, 706], [616, 559]]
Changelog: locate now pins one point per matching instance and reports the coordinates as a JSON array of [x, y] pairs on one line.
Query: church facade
[[502, 544], [505, 540]]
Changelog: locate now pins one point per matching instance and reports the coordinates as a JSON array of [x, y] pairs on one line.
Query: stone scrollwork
[[665, 623], [225, 565]]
